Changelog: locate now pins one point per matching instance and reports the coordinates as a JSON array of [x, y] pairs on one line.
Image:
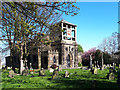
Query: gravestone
[[9, 67], [95, 64], [66, 74], [31, 66], [51, 70], [110, 65], [25, 72], [84, 68], [59, 68], [113, 66], [55, 74], [11, 74], [42, 72], [94, 71], [107, 65], [111, 75], [119, 65], [91, 62]]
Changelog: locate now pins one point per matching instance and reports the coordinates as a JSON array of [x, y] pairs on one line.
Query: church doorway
[[68, 60], [44, 62]]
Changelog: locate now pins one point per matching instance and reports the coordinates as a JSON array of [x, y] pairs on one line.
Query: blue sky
[[95, 21]]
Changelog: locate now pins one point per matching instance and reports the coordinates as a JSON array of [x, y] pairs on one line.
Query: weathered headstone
[[55, 74], [113, 66], [111, 75], [66, 74], [31, 66], [107, 65], [51, 70], [9, 67], [42, 72], [84, 68], [95, 64], [11, 74], [25, 72], [91, 62], [94, 71]]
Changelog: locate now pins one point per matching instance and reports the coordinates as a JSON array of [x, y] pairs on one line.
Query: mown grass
[[78, 79]]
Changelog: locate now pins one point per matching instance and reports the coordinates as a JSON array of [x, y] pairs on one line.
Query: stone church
[[61, 52]]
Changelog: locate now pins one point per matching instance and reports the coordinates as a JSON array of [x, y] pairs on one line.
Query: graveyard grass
[[78, 79]]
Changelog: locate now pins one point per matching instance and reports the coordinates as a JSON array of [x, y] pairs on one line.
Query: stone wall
[[53, 57]]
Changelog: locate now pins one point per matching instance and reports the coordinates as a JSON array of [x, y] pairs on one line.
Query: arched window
[[68, 60], [54, 59]]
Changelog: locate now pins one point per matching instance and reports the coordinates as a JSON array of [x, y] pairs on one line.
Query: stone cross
[[101, 68], [113, 66], [21, 66], [31, 66]]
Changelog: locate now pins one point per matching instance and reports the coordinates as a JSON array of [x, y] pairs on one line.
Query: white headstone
[[51, 70]]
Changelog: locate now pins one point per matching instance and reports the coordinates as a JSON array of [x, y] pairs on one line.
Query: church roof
[[64, 21]]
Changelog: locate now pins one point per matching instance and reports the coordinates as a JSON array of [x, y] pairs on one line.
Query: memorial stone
[[55, 74], [42, 72], [66, 74], [51, 70], [25, 72], [91, 62], [11, 74], [94, 70], [111, 75]]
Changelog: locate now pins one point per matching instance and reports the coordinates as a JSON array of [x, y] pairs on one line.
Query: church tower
[[67, 45]]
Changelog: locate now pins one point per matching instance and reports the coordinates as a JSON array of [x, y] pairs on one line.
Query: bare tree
[[110, 44], [24, 22]]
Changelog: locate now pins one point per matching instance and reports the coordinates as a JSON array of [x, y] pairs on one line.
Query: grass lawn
[[82, 79]]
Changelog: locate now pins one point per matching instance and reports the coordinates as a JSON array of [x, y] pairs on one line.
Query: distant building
[[62, 51]]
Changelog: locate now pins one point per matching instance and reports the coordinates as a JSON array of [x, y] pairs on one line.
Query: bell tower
[[69, 45], [69, 33]]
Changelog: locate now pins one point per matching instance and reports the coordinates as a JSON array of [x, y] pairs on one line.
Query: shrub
[[79, 64]]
